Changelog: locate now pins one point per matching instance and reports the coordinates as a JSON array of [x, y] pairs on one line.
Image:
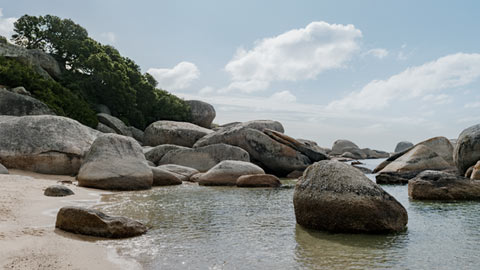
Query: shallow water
[[195, 227]]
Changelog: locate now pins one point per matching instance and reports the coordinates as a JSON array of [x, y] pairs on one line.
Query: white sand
[[28, 238]]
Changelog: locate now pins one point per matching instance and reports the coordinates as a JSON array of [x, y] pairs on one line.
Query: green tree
[[99, 73]]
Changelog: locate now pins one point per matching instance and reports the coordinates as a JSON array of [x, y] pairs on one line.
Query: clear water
[[195, 227]]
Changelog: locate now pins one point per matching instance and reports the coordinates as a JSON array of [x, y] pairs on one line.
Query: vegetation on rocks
[[93, 73]]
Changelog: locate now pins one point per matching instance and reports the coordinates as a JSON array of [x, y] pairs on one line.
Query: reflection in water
[[320, 250], [194, 227]]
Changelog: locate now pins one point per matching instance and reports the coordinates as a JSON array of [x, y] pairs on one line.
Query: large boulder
[[335, 197], [227, 172], [171, 132], [258, 180], [45, 144], [115, 162], [95, 223], [204, 158], [402, 146], [155, 154], [137, 134], [105, 129], [467, 149], [311, 152], [418, 159], [270, 154], [163, 177], [202, 113], [435, 185], [115, 124], [43, 63], [341, 146], [442, 146], [21, 105]]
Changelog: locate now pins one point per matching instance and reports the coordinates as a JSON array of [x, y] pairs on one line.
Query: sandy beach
[[28, 238]]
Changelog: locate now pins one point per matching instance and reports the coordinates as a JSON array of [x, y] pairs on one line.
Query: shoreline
[[28, 237]]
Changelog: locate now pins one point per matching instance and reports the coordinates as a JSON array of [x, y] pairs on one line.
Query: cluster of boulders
[[432, 154], [349, 150]]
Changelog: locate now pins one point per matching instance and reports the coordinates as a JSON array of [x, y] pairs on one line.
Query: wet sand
[[28, 238]]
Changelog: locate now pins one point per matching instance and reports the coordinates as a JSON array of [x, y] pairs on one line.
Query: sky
[[373, 72]]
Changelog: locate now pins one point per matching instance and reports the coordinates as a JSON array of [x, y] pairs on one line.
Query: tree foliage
[[60, 99], [98, 72]]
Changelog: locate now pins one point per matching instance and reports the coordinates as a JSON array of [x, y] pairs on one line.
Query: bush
[[58, 98]]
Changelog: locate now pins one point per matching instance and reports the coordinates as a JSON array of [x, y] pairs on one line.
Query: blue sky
[[374, 72]]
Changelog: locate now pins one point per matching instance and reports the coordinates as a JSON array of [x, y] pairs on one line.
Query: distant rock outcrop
[[402, 146], [202, 113]]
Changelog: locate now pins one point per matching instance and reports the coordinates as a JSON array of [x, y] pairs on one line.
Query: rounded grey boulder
[[171, 132], [21, 105], [202, 113], [204, 158], [44, 143], [335, 197], [402, 146], [467, 149], [115, 162], [227, 172], [341, 146]]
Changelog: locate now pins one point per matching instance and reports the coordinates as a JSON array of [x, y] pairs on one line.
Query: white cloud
[[446, 72], [438, 99], [472, 105], [6, 25], [378, 53], [206, 90], [179, 77], [284, 97], [108, 37], [294, 55]]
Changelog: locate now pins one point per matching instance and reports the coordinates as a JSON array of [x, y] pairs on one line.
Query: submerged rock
[[44, 143], [115, 162], [333, 196], [227, 172], [57, 191], [95, 223], [434, 185], [171, 132], [467, 149], [258, 180]]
